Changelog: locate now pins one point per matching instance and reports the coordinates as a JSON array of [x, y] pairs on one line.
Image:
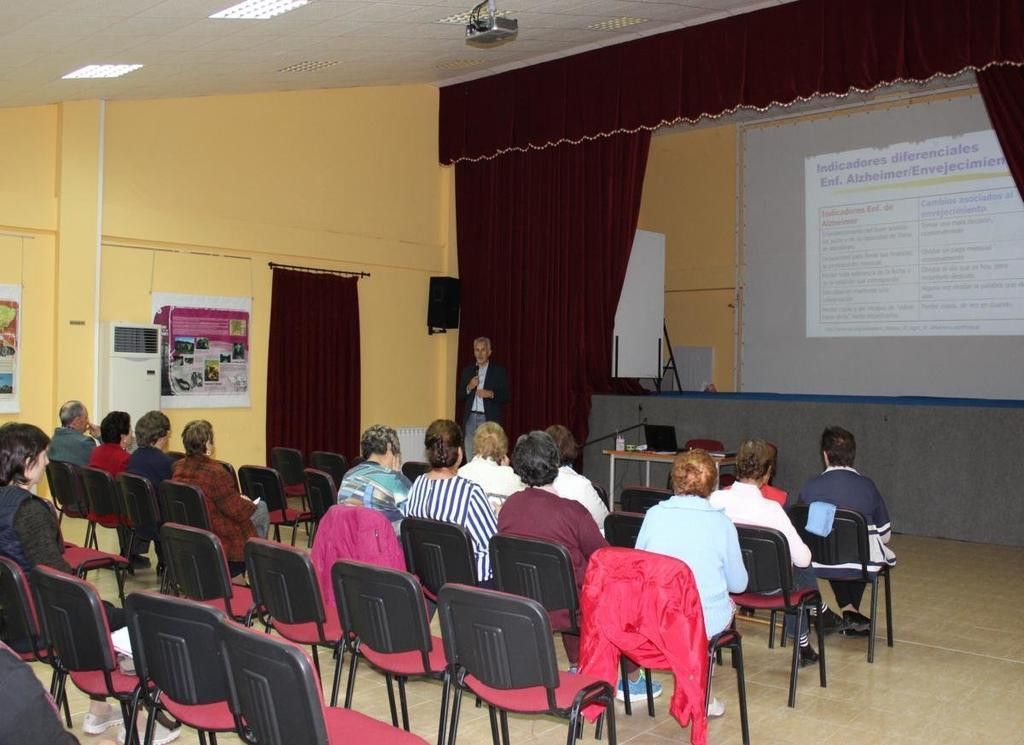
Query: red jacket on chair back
[[357, 533], [646, 606]]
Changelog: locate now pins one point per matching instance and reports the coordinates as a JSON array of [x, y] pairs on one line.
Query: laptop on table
[[661, 438]]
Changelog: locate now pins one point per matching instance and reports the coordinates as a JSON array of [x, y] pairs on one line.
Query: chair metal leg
[[609, 716], [650, 692], [295, 529], [339, 659], [403, 702], [503, 718], [213, 738], [888, 608], [795, 666], [741, 686], [446, 686], [821, 645], [316, 664], [625, 686], [492, 715], [874, 613], [391, 699], [202, 738], [353, 663]]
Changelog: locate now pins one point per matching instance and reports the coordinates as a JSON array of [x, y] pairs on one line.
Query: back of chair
[[183, 504], [273, 688], [73, 620], [101, 495], [766, 557], [19, 625], [263, 483], [332, 463], [175, 644], [502, 640], [197, 561], [413, 469], [66, 488], [383, 607], [321, 492], [846, 544], [711, 446], [641, 498], [283, 582], [289, 463], [138, 500], [622, 528], [601, 491], [538, 570], [438, 552]]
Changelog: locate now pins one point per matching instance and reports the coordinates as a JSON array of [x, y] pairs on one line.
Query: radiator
[[411, 440]]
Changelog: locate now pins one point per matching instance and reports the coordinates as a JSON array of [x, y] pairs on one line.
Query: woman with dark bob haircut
[[538, 512], [441, 494], [116, 435], [29, 534]]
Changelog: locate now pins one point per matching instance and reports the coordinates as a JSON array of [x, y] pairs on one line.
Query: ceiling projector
[[486, 28]]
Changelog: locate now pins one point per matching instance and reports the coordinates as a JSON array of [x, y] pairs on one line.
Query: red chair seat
[[770, 602], [80, 556], [408, 663], [294, 490], [535, 698], [93, 683], [306, 633], [241, 601], [108, 520], [345, 726], [288, 515], [216, 716]]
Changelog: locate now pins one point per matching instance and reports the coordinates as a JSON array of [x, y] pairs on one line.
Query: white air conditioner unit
[[129, 369]]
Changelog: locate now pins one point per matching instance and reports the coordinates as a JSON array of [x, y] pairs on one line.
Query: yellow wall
[[198, 195], [690, 196]]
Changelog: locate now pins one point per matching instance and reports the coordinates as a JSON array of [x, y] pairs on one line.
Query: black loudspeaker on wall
[[443, 305]]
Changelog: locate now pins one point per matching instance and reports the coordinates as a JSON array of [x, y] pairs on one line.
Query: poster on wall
[[205, 350], [10, 319]]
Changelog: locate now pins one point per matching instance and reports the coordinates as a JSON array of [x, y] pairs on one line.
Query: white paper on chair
[[122, 643]]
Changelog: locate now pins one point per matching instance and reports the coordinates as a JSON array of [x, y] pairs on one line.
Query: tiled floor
[[956, 674]]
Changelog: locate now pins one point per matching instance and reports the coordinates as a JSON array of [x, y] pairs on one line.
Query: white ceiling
[[372, 42]]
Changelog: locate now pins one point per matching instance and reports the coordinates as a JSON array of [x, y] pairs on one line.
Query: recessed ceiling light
[[308, 66], [614, 24], [101, 71], [259, 9], [461, 19]]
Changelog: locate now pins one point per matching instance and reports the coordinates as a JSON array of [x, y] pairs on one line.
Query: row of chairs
[[190, 660]]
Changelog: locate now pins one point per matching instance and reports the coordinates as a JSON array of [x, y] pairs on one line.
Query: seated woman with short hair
[[376, 482], [490, 465], [233, 517], [692, 530], [115, 436]]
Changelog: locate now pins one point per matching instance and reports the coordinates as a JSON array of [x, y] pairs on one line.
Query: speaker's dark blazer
[[497, 381]]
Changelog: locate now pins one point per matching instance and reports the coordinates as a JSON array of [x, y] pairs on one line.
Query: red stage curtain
[[544, 239], [772, 56], [1002, 89], [313, 384]]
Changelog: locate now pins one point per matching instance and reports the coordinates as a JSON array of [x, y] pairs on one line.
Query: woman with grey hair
[[377, 482], [538, 512]]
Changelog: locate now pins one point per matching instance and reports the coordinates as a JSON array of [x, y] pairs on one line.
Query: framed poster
[[205, 350], [10, 320]]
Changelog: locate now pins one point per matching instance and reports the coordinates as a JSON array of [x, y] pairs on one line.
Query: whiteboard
[[640, 317]]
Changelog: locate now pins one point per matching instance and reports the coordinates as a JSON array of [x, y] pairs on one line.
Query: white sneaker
[[161, 734], [715, 708], [97, 724]]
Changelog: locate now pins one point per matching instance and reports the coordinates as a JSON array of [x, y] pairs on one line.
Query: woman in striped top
[[441, 494]]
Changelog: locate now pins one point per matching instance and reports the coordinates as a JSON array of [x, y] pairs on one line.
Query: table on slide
[[647, 457]]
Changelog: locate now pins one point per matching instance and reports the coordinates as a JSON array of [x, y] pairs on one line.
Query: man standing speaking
[[483, 388]]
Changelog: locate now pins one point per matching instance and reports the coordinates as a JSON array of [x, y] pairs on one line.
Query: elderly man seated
[[73, 441]]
